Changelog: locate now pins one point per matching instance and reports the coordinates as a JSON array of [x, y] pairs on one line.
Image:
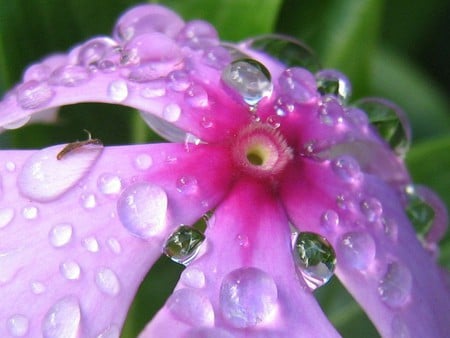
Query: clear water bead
[[142, 209], [187, 185], [298, 84], [70, 270], [171, 112], [357, 250], [30, 212], [143, 161], [37, 287], [109, 184], [69, 76], [183, 245], [371, 209], [62, 319], [118, 91], [193, 277], [347, 168], [196, 96], [248, 296], [88, 201], [315, 258], [90, 244], [395, 286], [60, 234], [420, 213], [114, 245], [107, 281], [34, 94], [330, 81], [18, 325], [249, 79], [192, 307], [329, 219]]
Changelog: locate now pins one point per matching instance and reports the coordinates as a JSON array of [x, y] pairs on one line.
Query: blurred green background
[[394, 49]]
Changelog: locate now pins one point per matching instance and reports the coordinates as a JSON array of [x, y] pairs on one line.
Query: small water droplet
[[347, 168], [60, 234], [118, 90], [330, 81], [62, 319], [243, 240], [109, 184], [142, 209], [152, 89], [198, 34], [30, 212], [248, 296], [10, 166], [192, 307], [345, 202], [69, 76], [112, 331], [37, 287], [249, 79], [183, 245], [6, 216], [107, 281], [70, 270], [187, 185], [274, 121], [90, 244], [315, 258], [193, 277], [88, 201], [114, 245], [331, 111], [298, 85], [178, 80], [18, 325], [196, 96], [357, 250], [395, 286], [143, 161], [95, 50], [329, 219], [171, 112], [371, 209], [34, 94]]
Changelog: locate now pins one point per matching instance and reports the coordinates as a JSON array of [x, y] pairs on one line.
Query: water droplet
[[283, 107], [330, 81], [331, 111], [109, 184], [143, 161], [69, 76], [10, 166], [171, 112], [152, 89], [347, 168], [291, 52], [298, 85], [315, 258], [218, 57], [329, 219], [399, 329], [191, 307], [34, 94], [94, 50], [37, 287], [196, 96], [183, 245], [6, 216], [345, 202], [420, 213], [390, 121], [178, 80], [249, 79], [112, 331], [114, 245], [390, 228], [198, 34], [90, 244], [70, 270], [88, 201], [274, 121], [243, 241], [18, 325], [371, 208], [60, 234], [118, 90], [107, 281], [187, 185], [248, 296], [63, 319], [17, 123], [30, 212], [193, 277], [395, 286], [357, 250], [44, 178], [142, 209]]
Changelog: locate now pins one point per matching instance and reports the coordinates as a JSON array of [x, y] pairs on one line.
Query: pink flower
[[294, 183]]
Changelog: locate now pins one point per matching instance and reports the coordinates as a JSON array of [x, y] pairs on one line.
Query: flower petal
[[379, 258], [69, 266], [238, 288]]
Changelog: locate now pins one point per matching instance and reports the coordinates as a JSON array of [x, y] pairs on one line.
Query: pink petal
[[69, 265], [247, 237]]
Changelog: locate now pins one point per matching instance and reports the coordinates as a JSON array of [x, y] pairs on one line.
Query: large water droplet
[[18, 325], [34, 94], [357, 250], [69, 76], [330, 81], [118, 90], [315, 257], [347, 168], [142, 209], [193, 277], [107, 281], [183, 245], [249, 79], [44, 178], [70, 270], [63, 319], [60, 234], [6, 216], [191, 307], [390, 121], [109, 184], [395, 286], [248, 296], [289, 51]]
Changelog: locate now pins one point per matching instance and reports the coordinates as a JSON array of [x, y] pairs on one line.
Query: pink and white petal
[[245, 282], [379, 258], [65, 259]]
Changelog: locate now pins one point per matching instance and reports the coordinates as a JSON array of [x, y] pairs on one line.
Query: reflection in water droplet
[[330, 81], [357, 250], [143, 161], [191, 307], [420, 213], [372, 209], [6, 216], [90, 244], [107, 281], [395, 286], [118, 90], [70, 270], [30, 212], [109, 184], [390, 121], [18, 325], [142, 209], [249, 79], [34, 94], [248, 296], [315, 259], [60, 234], [63, 319], [193, 277], [183, 245]]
